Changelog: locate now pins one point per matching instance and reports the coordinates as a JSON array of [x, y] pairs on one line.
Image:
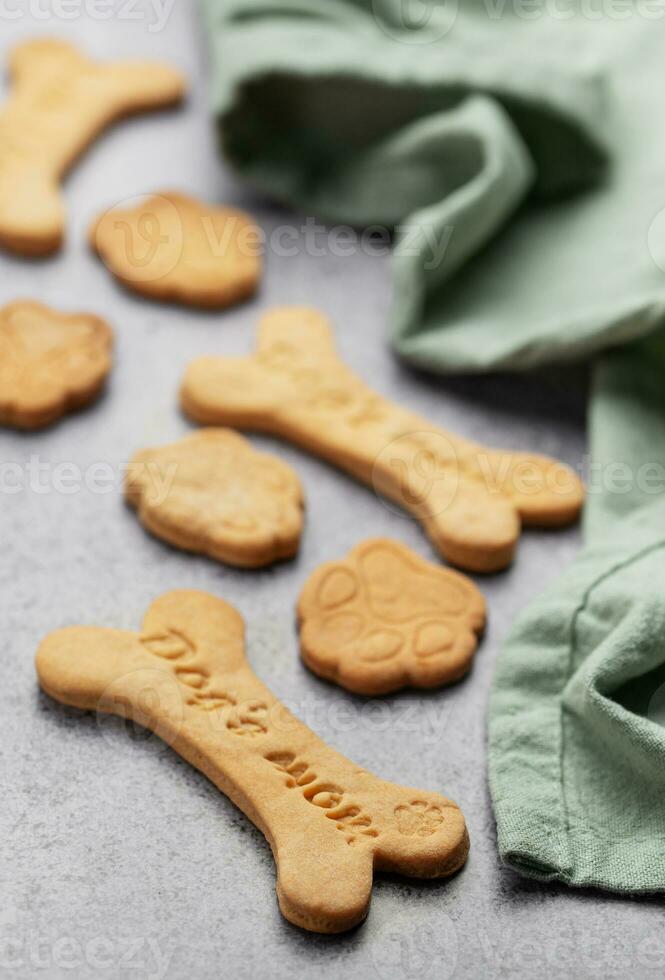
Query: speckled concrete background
[[118, 859]]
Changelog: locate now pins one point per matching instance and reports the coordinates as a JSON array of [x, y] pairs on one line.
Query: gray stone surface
[[119, 860]]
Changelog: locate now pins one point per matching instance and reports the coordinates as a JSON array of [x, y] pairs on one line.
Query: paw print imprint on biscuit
[[384, 618], [418, 819]]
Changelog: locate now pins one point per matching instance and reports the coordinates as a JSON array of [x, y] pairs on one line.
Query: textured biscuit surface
[[470, 499], [329, 822], [383, 618], [214, 494], [60, 100], [50, 363], [175, 248]]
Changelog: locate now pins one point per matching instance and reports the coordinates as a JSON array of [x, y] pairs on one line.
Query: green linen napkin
[[577, 743], [517, 150], [468, 126]]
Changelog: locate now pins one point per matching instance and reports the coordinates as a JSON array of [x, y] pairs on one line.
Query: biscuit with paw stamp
[[470, 500], [212, 493], [60, 101], [174, 248], [383, 619], [329, 822], [50, 363]]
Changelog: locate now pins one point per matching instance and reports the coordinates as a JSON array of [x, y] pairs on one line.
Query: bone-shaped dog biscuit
[[470, 499], [60, 101], [329, 822]]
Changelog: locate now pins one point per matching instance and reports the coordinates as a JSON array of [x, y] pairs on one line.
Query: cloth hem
[[536, 836]]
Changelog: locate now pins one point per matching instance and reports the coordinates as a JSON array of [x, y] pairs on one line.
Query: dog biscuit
[[50, 363], [173, 248], [60, 101], [212, 493], [384, 619], [329, 822], [471, 500]]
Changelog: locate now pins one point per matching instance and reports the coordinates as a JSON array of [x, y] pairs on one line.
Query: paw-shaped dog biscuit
[[212, 493], [173, 248], [330, 823], [59, 102], [50, 363], [384, 618], [471, 500]]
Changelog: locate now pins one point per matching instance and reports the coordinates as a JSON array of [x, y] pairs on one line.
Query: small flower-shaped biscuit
[[50, 363], [212, 493], [174, 248], [384, 619]]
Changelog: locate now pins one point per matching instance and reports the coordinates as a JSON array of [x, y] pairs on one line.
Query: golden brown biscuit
[[384, 619], [329, 822], [214, 494], [60, 101], [50, 363], [471, 500], [171, 247]]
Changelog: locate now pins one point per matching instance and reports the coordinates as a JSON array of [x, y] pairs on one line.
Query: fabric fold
[[577, 715], [336, 107]]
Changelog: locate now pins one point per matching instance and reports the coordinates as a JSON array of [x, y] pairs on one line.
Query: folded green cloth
[[518, 155], [577, 743], [463, 132]]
